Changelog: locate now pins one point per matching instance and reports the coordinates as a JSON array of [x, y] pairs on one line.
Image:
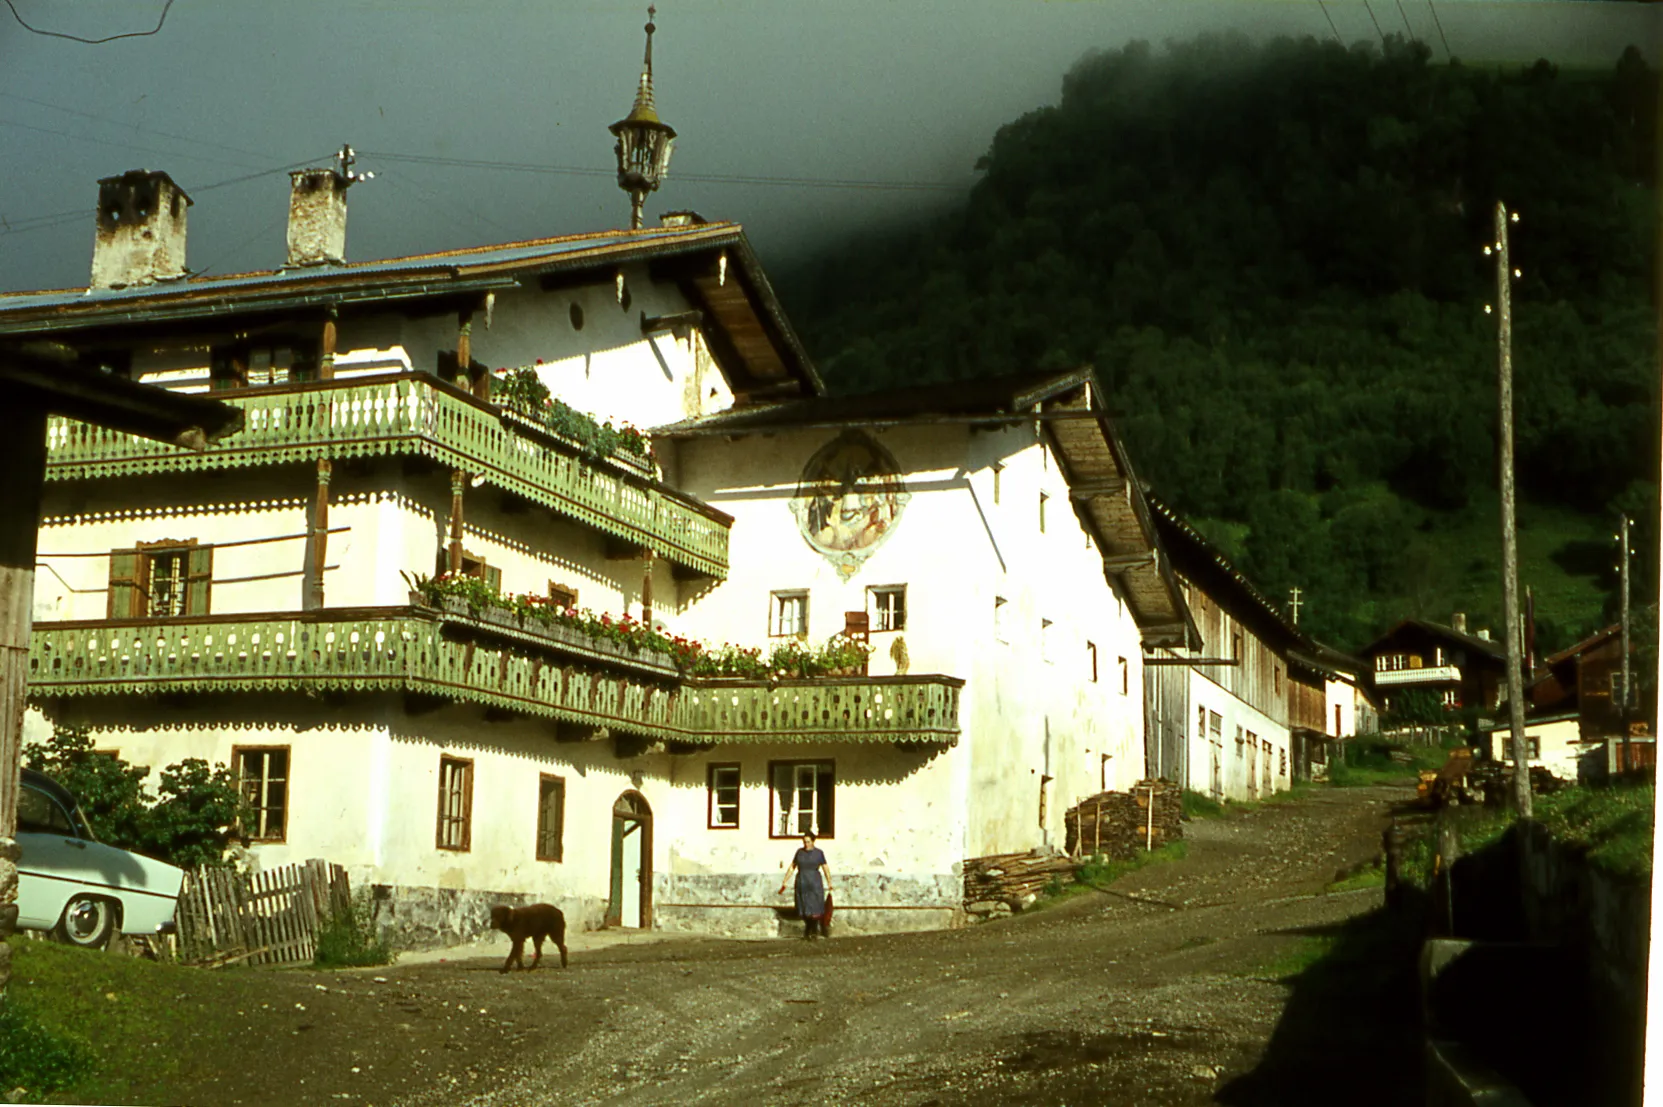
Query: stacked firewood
[[1119, 825], [1015, 879]]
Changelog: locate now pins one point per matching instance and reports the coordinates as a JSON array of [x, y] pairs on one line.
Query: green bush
[[191, 820], [35, 1059], [349, 938], [1198, 806]]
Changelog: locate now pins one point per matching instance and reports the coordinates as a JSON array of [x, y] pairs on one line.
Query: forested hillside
[[1272, 255]]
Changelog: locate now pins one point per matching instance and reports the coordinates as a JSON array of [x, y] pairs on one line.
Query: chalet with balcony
[[1459, 669], [413, 601], [1577, 719]]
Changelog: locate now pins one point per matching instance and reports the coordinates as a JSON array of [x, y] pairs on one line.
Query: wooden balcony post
[[458, 481], [326, 347], [646, 588], [318, 547], [23, 450]]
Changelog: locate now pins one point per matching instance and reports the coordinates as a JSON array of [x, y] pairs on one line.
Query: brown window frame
[[556, 591], [544, 780], [466, 818], [128, 595], [713, 791], [825, 828], [1125, 677], [258, 809]]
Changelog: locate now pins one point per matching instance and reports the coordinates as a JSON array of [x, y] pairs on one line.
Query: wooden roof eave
[[1110, 500], [48, 375]]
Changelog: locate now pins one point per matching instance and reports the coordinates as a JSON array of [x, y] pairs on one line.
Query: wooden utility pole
[[1628, 675], [1509, 532]]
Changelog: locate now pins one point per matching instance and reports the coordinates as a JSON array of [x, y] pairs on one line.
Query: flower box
[[639, 465], [566, 639]]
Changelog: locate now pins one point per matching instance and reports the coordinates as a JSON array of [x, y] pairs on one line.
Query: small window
[[887, 606], [1125, 677], [1201, 721], [160, 580], [1451, 699], [1239, 738], [455, 803], [263, 774], [1235, 645], [1091, 657], [800, 798], [480, 569], [575, 313], [1215, 723], [788, 614], [722, 797], [1043, 500], [1276, 679], [551, 818], [1281, 761], [562, 596]]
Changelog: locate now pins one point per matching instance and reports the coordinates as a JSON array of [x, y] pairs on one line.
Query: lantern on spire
[[644, 140]]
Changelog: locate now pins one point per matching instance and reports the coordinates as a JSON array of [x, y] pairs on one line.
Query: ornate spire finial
[[644, 140]]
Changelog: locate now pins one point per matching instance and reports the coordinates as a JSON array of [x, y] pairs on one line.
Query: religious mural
[[849, 499]]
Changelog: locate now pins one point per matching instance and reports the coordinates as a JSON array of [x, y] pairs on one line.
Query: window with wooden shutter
[[455, 830], [125, 584], [200, 580]]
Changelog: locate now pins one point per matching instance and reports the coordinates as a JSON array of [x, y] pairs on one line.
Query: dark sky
[[838, 90]]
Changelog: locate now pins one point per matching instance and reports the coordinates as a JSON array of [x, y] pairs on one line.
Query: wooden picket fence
[[264, 918]]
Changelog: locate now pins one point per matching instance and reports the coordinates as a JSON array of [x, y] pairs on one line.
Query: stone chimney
[[1458, 622], [140, 236], [317, 217], [1485, 634], [681, 219]]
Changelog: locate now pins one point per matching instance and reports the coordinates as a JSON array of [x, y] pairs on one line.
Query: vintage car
[[75, 886]]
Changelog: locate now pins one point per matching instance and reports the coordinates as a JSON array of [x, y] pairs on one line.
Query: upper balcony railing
[[1430, 674], [421, 652], [418, 414]]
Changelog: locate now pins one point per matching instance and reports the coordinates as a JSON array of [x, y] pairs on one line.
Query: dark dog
[[539, 921]]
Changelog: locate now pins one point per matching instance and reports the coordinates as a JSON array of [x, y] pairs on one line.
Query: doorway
[[630, 903]]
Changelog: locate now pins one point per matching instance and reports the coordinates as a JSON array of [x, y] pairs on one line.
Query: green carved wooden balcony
[[418, 414], [421, 652]]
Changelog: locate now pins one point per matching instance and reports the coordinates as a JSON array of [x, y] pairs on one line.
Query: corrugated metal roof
[[530, 256]]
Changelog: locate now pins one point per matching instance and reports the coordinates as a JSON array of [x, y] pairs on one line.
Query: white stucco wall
[[1030, 708], [1235, 761], [1558, 741]]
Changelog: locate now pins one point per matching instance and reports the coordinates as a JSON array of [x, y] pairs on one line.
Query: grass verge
[[348, 939], [1198, 806], [1370, 762], [1614, 824], [1096, 873], [34, 1060]]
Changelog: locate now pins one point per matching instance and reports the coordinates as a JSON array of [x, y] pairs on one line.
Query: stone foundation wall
[[747, 905], [413, 917]]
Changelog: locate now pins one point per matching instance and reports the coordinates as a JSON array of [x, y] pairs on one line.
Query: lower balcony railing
[[1431, 674], [406, 650]]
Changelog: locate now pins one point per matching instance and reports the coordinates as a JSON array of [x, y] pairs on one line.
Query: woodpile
[[1118, 824], [1013, 880]]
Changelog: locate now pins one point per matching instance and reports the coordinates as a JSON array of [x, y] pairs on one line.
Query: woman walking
[[813, 891]]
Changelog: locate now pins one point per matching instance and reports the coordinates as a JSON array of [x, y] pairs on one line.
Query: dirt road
[[1156, 992]]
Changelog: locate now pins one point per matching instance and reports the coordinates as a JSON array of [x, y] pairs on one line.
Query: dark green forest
[[1272, 254]]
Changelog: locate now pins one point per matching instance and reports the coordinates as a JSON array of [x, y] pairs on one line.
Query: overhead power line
[[91, 41], [1440, 24], [59, 218], [125, 125], [708, 178], [1331, 25]]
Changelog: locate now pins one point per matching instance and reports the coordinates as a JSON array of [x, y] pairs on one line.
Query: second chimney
[[1458, 622], [140, 237], [317, 217]]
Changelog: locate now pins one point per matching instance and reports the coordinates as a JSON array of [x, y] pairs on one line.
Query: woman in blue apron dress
[[813, 891]]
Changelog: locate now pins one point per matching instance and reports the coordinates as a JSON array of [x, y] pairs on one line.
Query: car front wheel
[[87, 921]]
